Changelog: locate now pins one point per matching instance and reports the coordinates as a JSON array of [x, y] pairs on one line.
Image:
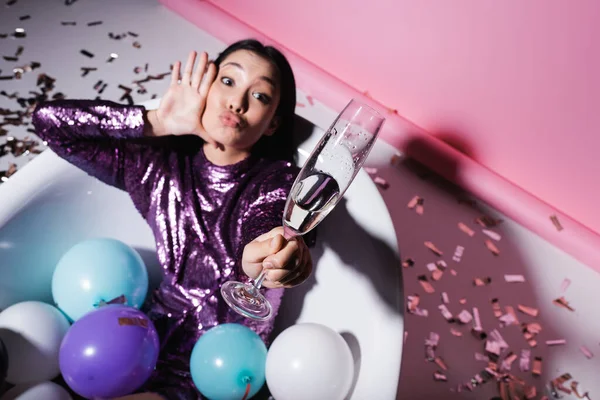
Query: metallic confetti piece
[[433, 339], [525, 360], [20, 33], [458, 253], [409, 262], [414, 202], [446, 313], [445, 298], [561, 302], [310, 100], [482, 281], [437, 275], [462, 301], [133, 34], [94, 23], [395, 160], [466, 229], [508, 319], [530, 392], [476, 320], [565, 284], [87, 53], [137, 45], [425, 284], [370, 170], [487, 222], [438, 376], [382, 183], [556, 342], [87, 70], [492, 235], [575, 390], [496, 337], [19, 51], [68, 23], [112, 57], [556, 223], [510, 310], [24, 17], [586, 352], [496, 308], [558, 383], [4, 175], [453, 272], [514, 278], [528, 310], [455, 332], [465, 317], [432, 247], [146, 68], [10, 2], [413, 302], [492, 247], [9, 58], [537, 366], [440, 363], [301, 105], [508, 361], [137, 70], [69, 2]]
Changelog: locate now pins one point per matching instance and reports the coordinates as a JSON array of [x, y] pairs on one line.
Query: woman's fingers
[[175, 73], [209, 78], [200, 70], [189, 67]]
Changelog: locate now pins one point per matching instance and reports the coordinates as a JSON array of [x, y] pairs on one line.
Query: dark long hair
[[280, 145]]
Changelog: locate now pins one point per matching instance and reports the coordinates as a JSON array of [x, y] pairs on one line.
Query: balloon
[[3, 363], [37, 391], [109, 352], [309, 361], [98, 270], [226, 359], [32, 332]]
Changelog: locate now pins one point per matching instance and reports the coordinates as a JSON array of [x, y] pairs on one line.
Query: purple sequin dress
[[202, 215]]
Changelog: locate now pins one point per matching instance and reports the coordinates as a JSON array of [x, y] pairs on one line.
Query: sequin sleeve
[[103, 139]]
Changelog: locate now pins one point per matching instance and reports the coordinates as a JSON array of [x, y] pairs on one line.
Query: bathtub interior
[[356, 289]]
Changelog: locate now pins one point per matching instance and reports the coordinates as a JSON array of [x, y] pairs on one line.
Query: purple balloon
[[109, 352]]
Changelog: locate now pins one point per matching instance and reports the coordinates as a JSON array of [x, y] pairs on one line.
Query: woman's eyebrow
[[270, 81]]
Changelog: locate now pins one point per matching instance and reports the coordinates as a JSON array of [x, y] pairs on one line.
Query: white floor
[[165, 37]]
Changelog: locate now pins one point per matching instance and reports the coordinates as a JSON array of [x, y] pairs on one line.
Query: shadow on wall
[[444, 207]]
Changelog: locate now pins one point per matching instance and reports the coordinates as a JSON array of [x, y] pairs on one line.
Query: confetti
[[492, 235], [10, 2], [137, 45], [481, 357], [24, 17], [487, 222], [455, 332], [416, 203], [458, 253], [438, 376], [9, 58], [446, 313], [466, 229], [425, 284], [112, 57], [301, 105], [382, 183], [508, 361], [94, 23], [482, 281], [492, 247], [87, 70], [453, 272], [574, 385], [4, 175], [528, 310], [462, 301], [133, 34], [413, 306], [586, 352], [525, 360], [537, 366], [69, 2], [565, 284], [465, 317], [87, 53], [409, 262], [508, 319], [310, 100], [20, 33], [556, 223], [445, 298], [514, 278], [558, 383], [496, 308], [395, 160], [68, 23], [556, 342], [561, 302], [370, 170], [476, 321], [432, 247]]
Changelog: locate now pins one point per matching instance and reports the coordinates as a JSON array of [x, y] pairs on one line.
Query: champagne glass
[[321, 183]]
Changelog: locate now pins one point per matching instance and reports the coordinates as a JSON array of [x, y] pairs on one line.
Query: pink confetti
[[455, 332], [298, 104], [586, 352], [492, 235], [432, 247], [445, 312], [514, 278], [565, 285], [382, 183], [463, 227], [458, 253], [370, 170], [465, 317], [476, 321], [445, 298], [310, 100], [481, 357], [525, 360], [556, 342], [528, 310]]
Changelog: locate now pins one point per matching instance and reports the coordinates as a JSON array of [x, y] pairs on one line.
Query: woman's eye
[[262, 98], [227, 81]]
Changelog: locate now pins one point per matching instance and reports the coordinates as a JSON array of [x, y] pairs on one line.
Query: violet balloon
[[109, 352]]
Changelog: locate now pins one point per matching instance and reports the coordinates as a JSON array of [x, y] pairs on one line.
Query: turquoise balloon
[[98, 270], [226, 359]]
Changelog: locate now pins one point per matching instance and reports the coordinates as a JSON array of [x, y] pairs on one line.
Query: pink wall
[[514, 84]]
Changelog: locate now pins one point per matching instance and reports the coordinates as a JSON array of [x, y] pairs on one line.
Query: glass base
[[246, 300]]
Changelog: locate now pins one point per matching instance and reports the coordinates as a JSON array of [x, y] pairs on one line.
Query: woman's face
[[242, 100]]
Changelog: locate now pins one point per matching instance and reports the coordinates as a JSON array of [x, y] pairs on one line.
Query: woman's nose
[[237, 103]]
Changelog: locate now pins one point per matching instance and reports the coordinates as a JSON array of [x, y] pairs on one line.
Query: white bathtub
[[49, 205]]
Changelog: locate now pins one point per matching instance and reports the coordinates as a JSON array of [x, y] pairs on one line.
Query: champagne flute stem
[[288, 234]]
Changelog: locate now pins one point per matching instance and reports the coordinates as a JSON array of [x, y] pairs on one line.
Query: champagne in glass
[[322, 182]]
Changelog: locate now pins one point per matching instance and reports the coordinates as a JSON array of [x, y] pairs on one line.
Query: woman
[[210, 171]]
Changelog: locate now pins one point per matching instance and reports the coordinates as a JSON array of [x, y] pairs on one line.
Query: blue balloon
[[226, 359], [95, 271]]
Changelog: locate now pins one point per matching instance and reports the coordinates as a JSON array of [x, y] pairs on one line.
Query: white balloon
[[309, 361], [32, 332], [37, 391]]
